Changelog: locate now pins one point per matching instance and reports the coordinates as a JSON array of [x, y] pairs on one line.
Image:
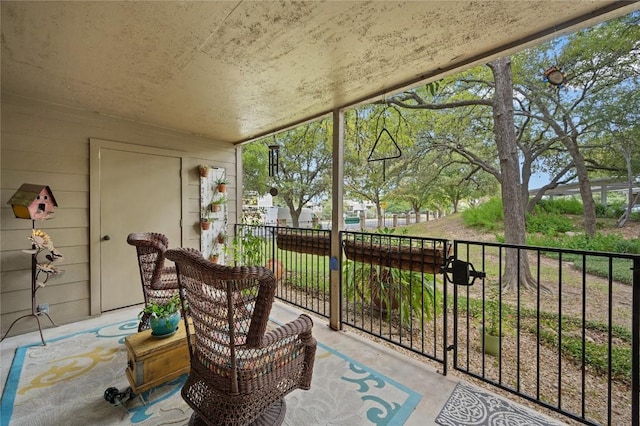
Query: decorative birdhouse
[[34, 202]]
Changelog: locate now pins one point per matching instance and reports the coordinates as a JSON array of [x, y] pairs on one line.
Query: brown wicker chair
[[240, 372], [159, 282]]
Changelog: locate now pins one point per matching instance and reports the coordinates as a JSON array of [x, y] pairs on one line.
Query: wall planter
[[221, 184], [417, 259], [212, 207], [304, 242], [203, 170], [216, 205], [205, 224]]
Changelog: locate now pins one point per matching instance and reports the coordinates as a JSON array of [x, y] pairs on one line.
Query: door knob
[[106, 238]]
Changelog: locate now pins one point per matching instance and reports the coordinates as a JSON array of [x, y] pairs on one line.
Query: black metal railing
[[567, 321], [298, 257], [564, 326], [392, 288]]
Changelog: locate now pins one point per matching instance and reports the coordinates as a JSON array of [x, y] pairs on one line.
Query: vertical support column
[[335, 299], [238, 185]]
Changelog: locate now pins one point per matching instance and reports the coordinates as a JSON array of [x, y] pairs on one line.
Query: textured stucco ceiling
[[232, 70]]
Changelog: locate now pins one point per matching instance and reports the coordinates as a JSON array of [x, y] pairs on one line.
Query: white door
[[139, 192]]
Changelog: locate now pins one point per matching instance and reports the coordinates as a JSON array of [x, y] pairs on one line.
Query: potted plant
[[276, 267], [387, 290], [204, 170], [205, 223], [217, 203], [490, 330], [391, 278], [222, 184], [221, 238], [163, 317], [214, 256]]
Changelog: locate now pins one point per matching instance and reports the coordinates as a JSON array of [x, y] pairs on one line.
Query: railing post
[[445, 313]]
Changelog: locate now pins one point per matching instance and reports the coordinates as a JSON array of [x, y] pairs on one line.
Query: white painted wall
[[48, 144]]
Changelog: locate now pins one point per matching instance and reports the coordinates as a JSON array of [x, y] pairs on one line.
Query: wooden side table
[[153, 361]]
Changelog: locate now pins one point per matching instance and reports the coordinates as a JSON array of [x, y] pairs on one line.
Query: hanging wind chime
[[273, 165]]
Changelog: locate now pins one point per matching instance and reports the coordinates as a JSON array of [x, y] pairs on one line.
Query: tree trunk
[[516, 272], [379, 213], [585, 187], [625, 216], [295, 215], [417, 212]]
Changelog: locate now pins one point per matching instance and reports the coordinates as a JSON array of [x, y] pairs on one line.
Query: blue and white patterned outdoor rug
[[469, 405], [63, 383]]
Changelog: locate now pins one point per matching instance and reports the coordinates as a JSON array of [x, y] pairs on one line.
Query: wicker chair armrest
[[300, 326], [169, 270], [168, 279]]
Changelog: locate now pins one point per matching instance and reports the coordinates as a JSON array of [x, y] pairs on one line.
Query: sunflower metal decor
[[554, 76]]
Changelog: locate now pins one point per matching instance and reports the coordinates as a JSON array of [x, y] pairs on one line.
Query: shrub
[[599, 266], [487, 216], [561, 206], [612, 243], [548, 223]]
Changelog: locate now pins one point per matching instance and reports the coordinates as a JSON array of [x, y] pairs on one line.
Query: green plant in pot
[[221, 238], [221, 184], [204, 170], [491, 331], [217, 204], [390, 290], [163, 317], [205, 223]]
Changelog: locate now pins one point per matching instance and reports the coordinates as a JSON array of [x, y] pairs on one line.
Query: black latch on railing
[[461, 272]]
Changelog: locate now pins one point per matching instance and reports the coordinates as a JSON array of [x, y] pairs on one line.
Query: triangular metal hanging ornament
[[383, 136]]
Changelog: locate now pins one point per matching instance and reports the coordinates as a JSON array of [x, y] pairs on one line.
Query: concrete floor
[[421, 378]]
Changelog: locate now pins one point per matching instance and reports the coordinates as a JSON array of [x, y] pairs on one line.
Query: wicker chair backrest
[[229, 309], [151, 248]]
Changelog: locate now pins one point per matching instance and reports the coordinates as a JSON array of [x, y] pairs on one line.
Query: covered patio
[[92, 90], [100, 100]]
